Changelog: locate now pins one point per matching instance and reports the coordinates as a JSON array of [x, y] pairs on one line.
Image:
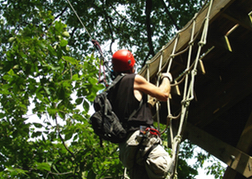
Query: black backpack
[[104, 121]]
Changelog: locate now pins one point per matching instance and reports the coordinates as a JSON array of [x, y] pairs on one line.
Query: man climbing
[[142, 152]]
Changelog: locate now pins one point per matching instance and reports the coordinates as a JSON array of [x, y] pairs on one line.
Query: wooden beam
[[238, 16], [244, 144], [234, 158]]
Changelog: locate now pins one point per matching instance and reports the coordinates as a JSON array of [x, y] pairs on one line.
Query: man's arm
[[161, 93]]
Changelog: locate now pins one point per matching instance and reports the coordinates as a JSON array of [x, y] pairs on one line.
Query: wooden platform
[[220, 116]]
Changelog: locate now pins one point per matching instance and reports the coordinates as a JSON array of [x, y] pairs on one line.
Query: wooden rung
[[228, 43], [175, 89], [202, 68]]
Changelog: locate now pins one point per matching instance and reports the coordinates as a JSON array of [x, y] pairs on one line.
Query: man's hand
[[166, 75]]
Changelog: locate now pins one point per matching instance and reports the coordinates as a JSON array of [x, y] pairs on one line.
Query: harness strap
[[149, 150]]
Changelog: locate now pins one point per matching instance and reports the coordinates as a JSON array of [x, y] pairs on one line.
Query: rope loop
[[201, 43], [172, 56], [178, 139], [191, 43], [194, 72]]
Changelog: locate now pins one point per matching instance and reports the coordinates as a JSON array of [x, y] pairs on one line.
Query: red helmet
[[122, 60]]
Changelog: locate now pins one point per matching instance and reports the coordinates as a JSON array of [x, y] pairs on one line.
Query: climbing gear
[[102, 63], [144, 131], [138, 149], [123, 60]]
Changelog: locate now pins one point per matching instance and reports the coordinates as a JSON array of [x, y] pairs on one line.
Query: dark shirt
[[124, 103]]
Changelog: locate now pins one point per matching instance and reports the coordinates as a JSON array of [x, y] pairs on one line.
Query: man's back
[[124, 103]]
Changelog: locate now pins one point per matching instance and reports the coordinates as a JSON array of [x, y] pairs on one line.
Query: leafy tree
[[48, 66]]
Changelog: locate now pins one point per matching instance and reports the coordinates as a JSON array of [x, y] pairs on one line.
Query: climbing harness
[[187, 76], [103, 63]]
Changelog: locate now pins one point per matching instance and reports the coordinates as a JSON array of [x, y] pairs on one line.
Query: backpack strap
[[116, 80], [136, 110]]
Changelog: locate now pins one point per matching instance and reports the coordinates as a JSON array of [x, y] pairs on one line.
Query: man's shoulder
[[129, 76], [140, 79]]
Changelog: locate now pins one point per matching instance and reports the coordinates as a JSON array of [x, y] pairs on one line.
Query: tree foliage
[[49, 77]]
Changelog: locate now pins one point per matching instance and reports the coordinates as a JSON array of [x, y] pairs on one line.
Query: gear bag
[[104, 121]]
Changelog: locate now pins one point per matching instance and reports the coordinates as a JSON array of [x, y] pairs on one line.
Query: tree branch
[[60, 14], [108, 20], [145, 60], [148, 25], [58, 174], [170, 16], [61, 138], [123, 18]]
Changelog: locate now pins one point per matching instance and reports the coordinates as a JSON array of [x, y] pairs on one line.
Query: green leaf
[[70, 60], [52, 112], [75, 77], [36, 134], [91, 175], [78, 117], [86, 105], [11, 72], [78, 101], [68, 136], [43, 166], [63, 43], [16, 171], [38, 125], [51, 50], [47, 90], [2, 115]]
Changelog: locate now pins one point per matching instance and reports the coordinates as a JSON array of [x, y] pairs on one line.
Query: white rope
[[79, 19], [190, 96]]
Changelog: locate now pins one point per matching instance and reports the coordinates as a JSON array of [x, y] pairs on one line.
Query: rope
[[79, 19], [97, 46]]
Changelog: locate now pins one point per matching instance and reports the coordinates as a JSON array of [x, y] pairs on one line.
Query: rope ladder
[[188, 77]]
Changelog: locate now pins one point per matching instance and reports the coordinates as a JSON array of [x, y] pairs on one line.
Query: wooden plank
[[236, 159], [244, 144]]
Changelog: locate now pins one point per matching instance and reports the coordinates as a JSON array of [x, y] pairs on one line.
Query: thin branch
[[108, 20], [170, 16], [148, 25], [145, 60], [112, 40], [62, 12], [123, 18], [61, 138], [58, 174]]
